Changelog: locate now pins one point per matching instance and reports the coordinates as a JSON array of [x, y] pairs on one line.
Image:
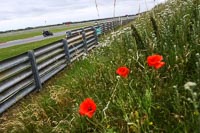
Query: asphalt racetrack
[[29, 40]]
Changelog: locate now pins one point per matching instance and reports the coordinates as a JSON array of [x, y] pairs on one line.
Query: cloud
[[26, 13]]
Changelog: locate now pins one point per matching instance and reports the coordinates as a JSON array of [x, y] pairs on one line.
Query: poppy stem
[[96, 125], [112, 96], [82, 121]]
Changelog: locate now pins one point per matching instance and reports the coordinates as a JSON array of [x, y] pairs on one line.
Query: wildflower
[[136, 114], [108, 126], [151, 123], [175, 86], [87, 107], [189, 99], [130, 50], [189, 84], [194, 94], [118, 77], [197, 55], [84, 56], [155, 61], [158, 107], [123, 71], [196, 113]]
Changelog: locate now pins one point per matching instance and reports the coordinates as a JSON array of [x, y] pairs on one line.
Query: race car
[[47, 33]]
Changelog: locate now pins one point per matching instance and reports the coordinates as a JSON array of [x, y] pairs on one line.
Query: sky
[[16, 14]]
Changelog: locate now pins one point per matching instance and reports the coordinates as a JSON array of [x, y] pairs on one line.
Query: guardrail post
[[84, 40], [68, 33], [95, 35], [34, 69], [106, 27], [112, 25], [103, 28], [66, 49]]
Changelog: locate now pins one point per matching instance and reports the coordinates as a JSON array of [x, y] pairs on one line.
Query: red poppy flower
[[123, 71], [155, 61], [87, 107]]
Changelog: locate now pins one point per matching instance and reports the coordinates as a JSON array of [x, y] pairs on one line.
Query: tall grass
[[149, 100]]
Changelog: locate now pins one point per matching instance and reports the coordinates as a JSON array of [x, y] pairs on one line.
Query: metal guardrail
[[25, 73]]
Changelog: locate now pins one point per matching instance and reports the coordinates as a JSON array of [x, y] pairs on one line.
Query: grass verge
[[148, 100]]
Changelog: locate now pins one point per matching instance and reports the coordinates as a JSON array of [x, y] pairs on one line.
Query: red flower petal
[[87, 107], [159, 65], [123, 71], [155, 61]]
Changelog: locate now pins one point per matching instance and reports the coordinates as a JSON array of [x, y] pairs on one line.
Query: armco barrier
[[25, 73]]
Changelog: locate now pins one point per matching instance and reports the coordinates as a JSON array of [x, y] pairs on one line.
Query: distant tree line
[[65, 23]]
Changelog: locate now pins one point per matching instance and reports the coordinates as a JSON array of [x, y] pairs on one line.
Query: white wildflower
[[84, 56], [197, 55], [189, 84], [189, 99], [129, 60], [118, 77], [175, 86], [194, 94], [130, 50], [176, 57], [197, 64]]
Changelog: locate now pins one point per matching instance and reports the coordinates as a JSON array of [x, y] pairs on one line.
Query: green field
[[19, 49], [164, 100]]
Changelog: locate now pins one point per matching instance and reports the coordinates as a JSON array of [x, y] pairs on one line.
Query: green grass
[[36, 32], [16, 50], [148, 100]]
